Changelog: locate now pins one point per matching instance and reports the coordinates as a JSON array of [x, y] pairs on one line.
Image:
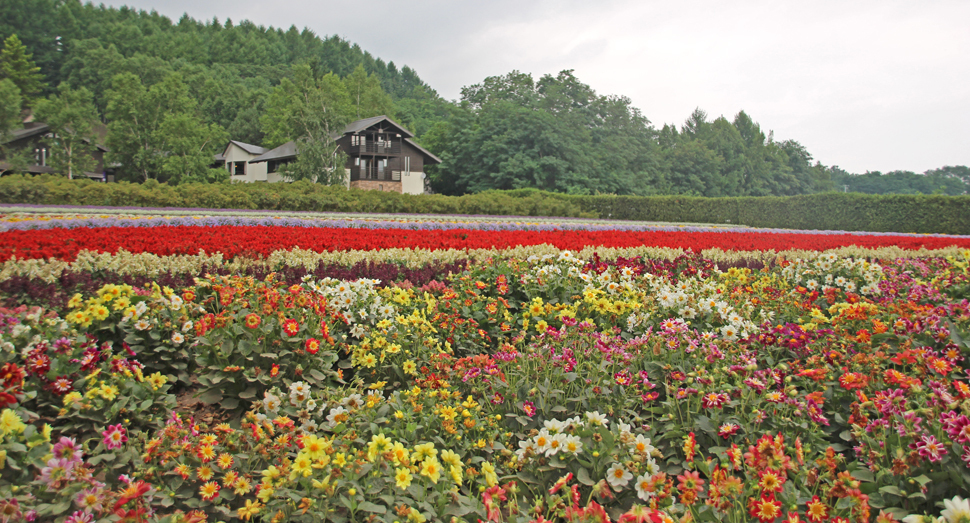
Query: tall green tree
[[366, 95], [311, 111], [71, 115], [155, 132], [17, 65]]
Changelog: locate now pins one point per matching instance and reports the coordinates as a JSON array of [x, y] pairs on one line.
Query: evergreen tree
[[17, 65]]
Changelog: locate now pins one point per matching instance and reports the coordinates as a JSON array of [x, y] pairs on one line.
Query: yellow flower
[[450, 458], [456, 474], [431, 468], [424, 451], [416, 516], [250, 510], [488, 470], [403, 478], [242, 487], [265, 494], [410, 367], [157, 380], [314, 446], [75, 301], [448, 413], [302, 465], [108, 392], [3, 459], [339, 460], [100, 312], [271, 473], [378, 445], [399, 453], [10, 422]]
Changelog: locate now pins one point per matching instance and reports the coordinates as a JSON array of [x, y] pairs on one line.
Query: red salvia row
[[254, 241]]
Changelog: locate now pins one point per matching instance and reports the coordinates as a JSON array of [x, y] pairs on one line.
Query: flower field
[[200, 367]]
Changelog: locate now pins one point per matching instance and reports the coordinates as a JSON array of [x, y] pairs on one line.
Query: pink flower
[[114, 437], [929, 448], [529, 408], [714, 400]]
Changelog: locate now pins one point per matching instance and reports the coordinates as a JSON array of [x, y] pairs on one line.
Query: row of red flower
[[65, 244]]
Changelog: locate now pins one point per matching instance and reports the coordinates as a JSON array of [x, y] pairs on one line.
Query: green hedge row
[[828, 211]]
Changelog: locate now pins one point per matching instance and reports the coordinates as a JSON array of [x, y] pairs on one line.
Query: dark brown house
[[381, 155], [31, 138]]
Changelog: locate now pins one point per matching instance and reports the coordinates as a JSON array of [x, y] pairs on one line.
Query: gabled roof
[[32, 129], [249, 148], [283, 152], [360, 125], [424, 151], [29, 129]]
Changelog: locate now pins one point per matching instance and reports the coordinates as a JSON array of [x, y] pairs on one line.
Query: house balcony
[[376, 172], [387, 148]]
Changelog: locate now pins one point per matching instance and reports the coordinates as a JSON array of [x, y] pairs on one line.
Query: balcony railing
[[373, 172], [389, 147]]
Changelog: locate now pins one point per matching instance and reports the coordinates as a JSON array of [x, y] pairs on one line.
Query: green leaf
[[864, 475], [894, 490], [210, 396], [583, 477], [367, 506]]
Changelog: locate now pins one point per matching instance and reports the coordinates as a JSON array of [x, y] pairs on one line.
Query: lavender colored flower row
[[26, 207], [358, 222]]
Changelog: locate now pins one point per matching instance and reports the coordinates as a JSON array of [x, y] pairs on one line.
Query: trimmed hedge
[[827, 211]]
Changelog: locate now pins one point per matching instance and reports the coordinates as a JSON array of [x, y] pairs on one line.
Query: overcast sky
[[865, 85]]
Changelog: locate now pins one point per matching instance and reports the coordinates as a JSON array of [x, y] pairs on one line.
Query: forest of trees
[[166, 96]]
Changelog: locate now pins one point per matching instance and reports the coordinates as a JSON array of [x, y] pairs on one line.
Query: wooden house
[[31, 137], [381, 155]]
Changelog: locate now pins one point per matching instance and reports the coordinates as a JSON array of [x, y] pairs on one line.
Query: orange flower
[[253, 320]]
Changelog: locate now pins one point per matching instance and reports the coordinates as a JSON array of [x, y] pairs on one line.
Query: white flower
[[357, 331], [271, 403], [556, 443], [336, 413], [618, 476], [643, 486], [177, 338], [542, 441], [554, 426], [354, 401], [595, 418], [730, 332], [651, 468], [642, 445], [311, 404], [525, 446], [957, 510], [572, 445], [142, 324], [187, 326], [624, 428]]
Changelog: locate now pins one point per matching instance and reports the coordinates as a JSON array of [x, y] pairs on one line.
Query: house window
[[239, 169]]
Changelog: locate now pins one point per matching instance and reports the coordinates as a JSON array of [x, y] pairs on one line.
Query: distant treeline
[[171, 93], [824, 211]]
